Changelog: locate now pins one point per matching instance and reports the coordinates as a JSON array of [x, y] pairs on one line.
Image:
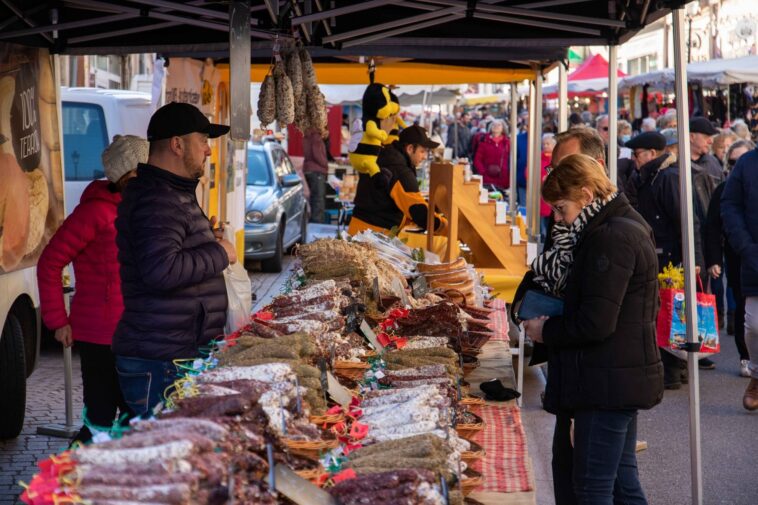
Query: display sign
[[31, 176]]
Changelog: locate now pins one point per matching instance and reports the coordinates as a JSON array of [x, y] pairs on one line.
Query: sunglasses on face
[[731, 162]]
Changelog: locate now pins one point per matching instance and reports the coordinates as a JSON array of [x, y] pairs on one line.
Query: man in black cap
[[381, 207], [171, 259], [701, 140]]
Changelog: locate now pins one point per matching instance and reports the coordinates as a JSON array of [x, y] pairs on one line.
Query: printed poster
[[31, 178]]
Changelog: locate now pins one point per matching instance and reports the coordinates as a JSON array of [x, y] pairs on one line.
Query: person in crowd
[[398, 202], [87, 238], [624, 129], [522, 156], [601, 125], [575, 120], [702, 133], [707, 173], [741, 129], [657, 189], [172, 260], [739, 212], [721, 143], [315, 168], [647, 125], [548, 144], [604, 362], [720, 256], [667, 120], [672, 142], [492, 158], [586, 117], [573, 141], [459, 136]]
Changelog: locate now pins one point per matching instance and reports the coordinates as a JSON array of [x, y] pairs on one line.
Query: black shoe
[[706, 364], [672, 385], [730, 322]]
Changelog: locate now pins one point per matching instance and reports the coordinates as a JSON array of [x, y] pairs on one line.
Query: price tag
[[371, 336], [375, 290], [501, 210], [379, 374], [399, 290], [419, 287], [337, 391], [484, 195]]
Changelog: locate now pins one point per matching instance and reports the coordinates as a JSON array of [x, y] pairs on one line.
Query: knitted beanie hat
[[123, 155]]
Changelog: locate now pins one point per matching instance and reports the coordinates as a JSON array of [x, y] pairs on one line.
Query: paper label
[[337, 391], [419, 287], [371, 336], [483, 195], [399, 290], [501, 212]]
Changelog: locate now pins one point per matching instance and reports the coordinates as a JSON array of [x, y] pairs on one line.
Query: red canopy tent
[[590, 79]]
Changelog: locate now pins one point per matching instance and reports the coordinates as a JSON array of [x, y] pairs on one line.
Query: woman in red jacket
[[492, 156], [87, 238]]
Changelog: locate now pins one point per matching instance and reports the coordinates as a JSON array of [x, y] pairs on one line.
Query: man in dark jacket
[[381, 207], [171, 260], [459, 136], [739, 210], [701, 140]]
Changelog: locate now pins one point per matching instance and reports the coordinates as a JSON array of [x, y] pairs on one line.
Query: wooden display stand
[[472, 223]]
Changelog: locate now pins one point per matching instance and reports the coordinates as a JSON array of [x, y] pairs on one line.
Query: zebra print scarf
[[551, 267]]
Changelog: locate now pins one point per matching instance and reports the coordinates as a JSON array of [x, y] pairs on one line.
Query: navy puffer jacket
[[739, 211], [171, 269]]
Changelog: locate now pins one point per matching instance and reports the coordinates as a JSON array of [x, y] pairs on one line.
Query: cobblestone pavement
[[44, 405]]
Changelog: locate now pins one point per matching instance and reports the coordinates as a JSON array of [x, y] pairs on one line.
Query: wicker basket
[[472, 401], [468, 431], [474, 454], [471, 364], [311, 474], [471, 481], [327, 419], [310, 449], [351, 370]]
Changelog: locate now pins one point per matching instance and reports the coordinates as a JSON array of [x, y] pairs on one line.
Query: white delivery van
[[90, 119]]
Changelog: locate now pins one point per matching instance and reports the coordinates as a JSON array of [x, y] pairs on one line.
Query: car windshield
[[258, 173]]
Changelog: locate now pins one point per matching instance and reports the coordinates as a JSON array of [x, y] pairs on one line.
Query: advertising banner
[[31, 178]]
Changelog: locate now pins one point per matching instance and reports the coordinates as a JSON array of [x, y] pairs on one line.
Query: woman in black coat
[[604, 266]]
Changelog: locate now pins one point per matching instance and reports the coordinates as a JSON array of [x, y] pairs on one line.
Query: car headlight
[[254, 216]]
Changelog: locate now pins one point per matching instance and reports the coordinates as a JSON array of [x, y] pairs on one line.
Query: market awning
[[481, 100], [352, 94], [588, 79], [720, 72], [403, 73]]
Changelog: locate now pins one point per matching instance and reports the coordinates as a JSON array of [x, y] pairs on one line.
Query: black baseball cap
[[702, 125], [648, 140], [176, 119], [416, 135]]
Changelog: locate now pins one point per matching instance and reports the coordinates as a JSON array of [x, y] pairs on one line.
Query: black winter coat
[[605, 340], [658, 200], [171, 269]]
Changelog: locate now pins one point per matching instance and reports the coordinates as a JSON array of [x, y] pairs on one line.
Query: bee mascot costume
[[399, 123], [377, 106]]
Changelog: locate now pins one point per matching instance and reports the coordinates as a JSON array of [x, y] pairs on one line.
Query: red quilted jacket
[[88, 239]]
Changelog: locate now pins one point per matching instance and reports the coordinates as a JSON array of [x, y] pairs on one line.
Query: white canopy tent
[[709, 73]]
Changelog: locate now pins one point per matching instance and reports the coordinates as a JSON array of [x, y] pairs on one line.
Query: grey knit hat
[[123, 155]]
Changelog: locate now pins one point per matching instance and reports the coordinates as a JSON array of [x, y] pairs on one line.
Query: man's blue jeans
[[605, 461], [144, 381]]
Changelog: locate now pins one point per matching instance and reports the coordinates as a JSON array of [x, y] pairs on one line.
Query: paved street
[[729, 439]]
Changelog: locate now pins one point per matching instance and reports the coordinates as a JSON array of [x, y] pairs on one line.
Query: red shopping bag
[[671, 329]]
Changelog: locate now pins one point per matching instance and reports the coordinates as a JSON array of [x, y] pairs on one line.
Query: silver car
[[276, 215]]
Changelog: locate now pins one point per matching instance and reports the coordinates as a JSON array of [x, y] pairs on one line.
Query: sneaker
[[744, 370], [706, 364], [750, 400]]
